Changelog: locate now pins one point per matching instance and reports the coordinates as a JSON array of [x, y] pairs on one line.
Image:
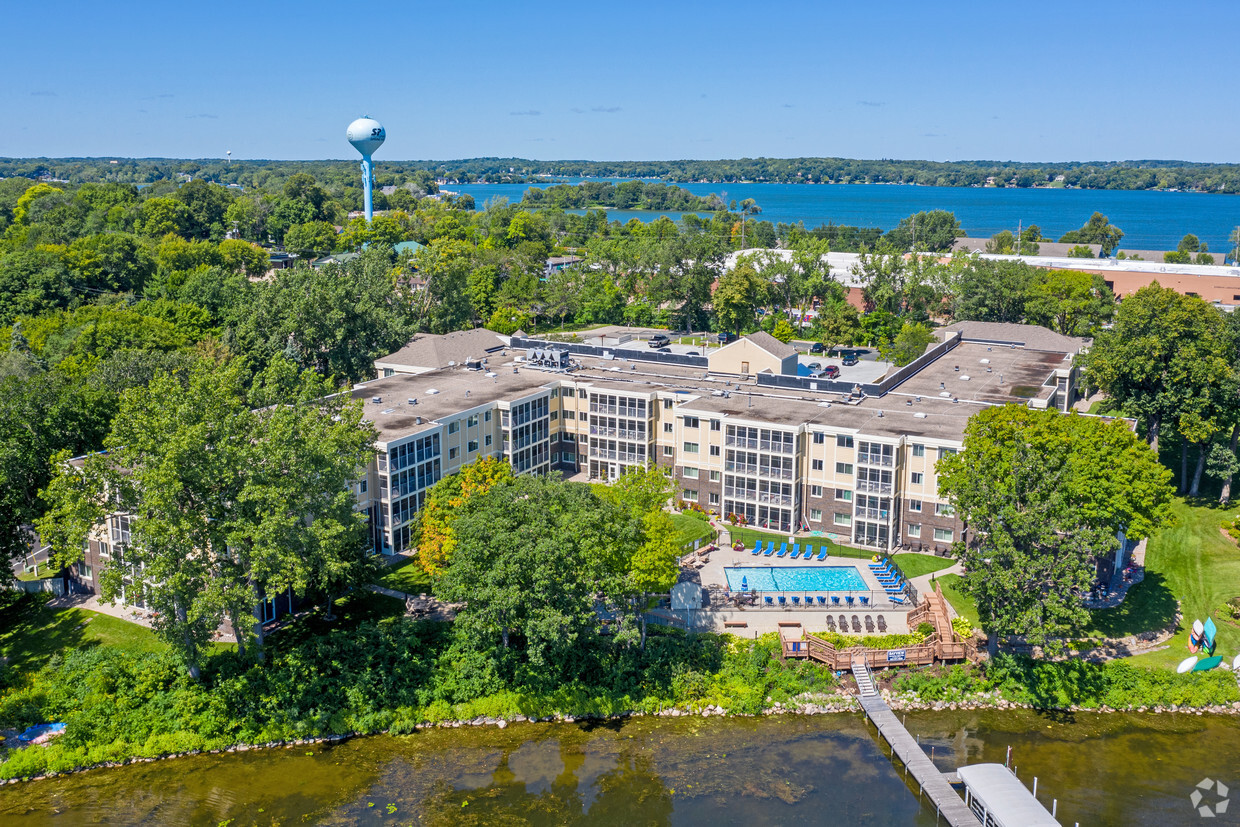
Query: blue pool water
[[797, 579]]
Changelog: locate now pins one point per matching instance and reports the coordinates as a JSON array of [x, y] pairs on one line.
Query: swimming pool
[[796, 579]]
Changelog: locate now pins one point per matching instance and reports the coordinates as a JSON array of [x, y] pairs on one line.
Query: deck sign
[[895, 656]]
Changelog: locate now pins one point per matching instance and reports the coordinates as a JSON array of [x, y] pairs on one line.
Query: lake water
[[826, 770], [1150, 220]]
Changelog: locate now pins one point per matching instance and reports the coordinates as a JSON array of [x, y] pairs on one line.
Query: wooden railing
[[825, 652]]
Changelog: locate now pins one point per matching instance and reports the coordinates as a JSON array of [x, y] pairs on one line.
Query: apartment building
[[739, 431]]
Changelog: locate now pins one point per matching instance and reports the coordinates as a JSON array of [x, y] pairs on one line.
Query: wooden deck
[[942, 645], [947, 803]]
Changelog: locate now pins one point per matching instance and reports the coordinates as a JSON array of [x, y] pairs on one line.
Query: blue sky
[[1043, 81]]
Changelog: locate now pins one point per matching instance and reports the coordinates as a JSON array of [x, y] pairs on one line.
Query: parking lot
[[869, 367]]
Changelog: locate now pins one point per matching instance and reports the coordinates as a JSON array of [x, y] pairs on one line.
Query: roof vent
[[452, 363], [964, 378], [489, 374], [515, 369], [955, 399], [417, 420], [412, 401], [920, 415], [880, 413], [431, 391], [376, 399], [918, 398], [467, 393], [908, 402]]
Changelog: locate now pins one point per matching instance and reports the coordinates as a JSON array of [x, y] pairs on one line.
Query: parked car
[[814, 366], [659, 340], [816, 347], [693, 353], [831, 372], [850, 358], [726, 337]]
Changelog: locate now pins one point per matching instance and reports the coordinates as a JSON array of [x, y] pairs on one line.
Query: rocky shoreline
[[818, 704]]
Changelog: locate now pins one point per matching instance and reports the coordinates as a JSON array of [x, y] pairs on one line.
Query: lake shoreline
[[821, 704]]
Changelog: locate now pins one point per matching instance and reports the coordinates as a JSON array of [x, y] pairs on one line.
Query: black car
[[850, 359], [816, 347], [659, 340], [725, 337]]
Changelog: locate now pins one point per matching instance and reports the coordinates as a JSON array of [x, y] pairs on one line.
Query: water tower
[[366, 134]]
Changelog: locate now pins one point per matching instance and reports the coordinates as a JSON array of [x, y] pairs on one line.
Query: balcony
[[875, 459], [867, 487], [871, 513]]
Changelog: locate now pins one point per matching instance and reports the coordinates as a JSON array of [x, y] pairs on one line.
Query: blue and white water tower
[[366, 134]]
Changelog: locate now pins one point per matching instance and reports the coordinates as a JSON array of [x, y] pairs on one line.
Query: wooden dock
[[947, 802]]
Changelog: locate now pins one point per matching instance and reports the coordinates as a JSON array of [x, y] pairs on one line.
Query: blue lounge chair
[[757, 547], [877, 564], [886, 570], [770, 600], [865, 601], [796, 601], [783, 549], [822, 600], [887, 574], [895, 598], [770, 549], [890, 578], [835, 600], [783, 601], [895, 589], [822, 555], [796, 551], [808, 551], [849, 599]]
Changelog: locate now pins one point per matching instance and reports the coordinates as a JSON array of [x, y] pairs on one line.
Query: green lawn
[[962, 603], [406, 577], [749, 536], [31, 632], [915, 565], [41, 571], [1194, 562], [692, 527]]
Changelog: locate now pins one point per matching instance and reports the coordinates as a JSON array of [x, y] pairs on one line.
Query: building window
[[843, 495], [453, 427], [555, 415], [819, 438], [714, 476], [667, 404], [714, 450], [487, 440], [843, 518], [917, 478], [844, 469], [946, 452], [816, 464], [691, 447], [815, 514], [363, 486], [667, 427], [581, 438], [555, 393], [914, 506], [714, 425], [944, 510], [472, 422], [714, 499], [919, 450], [842, 441], [815, 490], [486, 416], [452, 452], [689, 473], [668, 450], [689, 495], [692, 422], [914, 529], [942, 535], [86, 571], [473, 445]]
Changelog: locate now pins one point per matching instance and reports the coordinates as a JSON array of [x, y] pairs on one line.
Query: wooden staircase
[[865, 684]]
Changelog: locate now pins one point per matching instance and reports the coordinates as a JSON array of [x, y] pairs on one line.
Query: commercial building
[[736, 427]]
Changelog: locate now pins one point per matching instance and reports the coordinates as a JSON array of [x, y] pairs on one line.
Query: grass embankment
[[915, 564], [407, 577], [748, 536], [690, 526], [1191, 561], [31, 633]]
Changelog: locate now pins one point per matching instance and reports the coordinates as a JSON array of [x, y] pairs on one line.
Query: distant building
[[557, 263]]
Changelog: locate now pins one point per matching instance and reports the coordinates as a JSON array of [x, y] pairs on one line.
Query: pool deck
[[713, 576]]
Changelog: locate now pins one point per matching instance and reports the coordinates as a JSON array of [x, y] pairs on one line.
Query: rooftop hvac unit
[[376, 399]]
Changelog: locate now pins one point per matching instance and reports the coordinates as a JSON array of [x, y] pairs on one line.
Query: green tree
[[783, 330], [741, 291], [532, 555], [432, 529], [1151, 361], [910, 343], [1098, 230], [1069, 301], [228, 506], [311, 240], [837, 323], [992, 291], [934, 231], [1043, 496]]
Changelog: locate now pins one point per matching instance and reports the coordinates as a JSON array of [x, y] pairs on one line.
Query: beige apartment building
[[741, 428]]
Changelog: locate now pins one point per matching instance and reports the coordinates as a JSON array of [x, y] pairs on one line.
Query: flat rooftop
[[985, 373]]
